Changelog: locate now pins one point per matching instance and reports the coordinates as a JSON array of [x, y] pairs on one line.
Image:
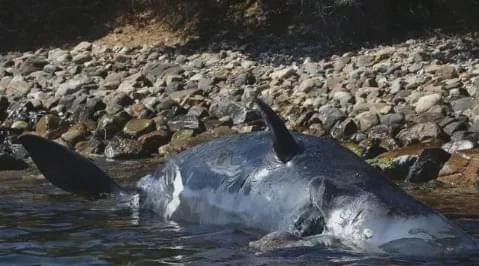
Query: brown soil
[[31, 24], [134, 35]]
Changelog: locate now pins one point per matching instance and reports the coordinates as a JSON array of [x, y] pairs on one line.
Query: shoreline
[[133, 102]]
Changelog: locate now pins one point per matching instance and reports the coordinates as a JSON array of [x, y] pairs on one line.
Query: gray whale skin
[[303, 186]]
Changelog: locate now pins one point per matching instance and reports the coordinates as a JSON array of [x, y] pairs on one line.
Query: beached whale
[[274, 181]]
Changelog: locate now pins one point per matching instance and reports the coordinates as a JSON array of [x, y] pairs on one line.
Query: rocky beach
[[385, 102]]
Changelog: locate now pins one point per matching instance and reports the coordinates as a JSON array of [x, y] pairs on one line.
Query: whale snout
[[372, 227], [364, 220]]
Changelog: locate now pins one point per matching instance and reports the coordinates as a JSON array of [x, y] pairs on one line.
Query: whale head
[[384, 220], [358, 205]]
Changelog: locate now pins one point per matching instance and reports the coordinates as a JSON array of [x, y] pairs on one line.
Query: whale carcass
[[275, 181]]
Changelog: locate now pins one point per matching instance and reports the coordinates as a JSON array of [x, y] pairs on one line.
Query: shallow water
[[40, 224]]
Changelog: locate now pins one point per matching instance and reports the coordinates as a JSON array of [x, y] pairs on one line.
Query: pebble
[[309, 84], [427, 165], [152, 141], [32, 64], [366, 120], [459, 145], [108, 124], [185, 122], [90, 147], [236, 111], [76, 133], [73, 85], [329, 115], [426, 102], [401, 94], [283, 73], [462, 104], [137, 127], [49, 126], [422, 132], [17, 87], [20, 125], [122, 148]]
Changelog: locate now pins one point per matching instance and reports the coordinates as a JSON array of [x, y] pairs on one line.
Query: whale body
[[324, 190], [274, 181]]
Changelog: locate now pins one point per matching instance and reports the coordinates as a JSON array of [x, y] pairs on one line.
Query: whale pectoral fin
[[284, 144], [68, 170]]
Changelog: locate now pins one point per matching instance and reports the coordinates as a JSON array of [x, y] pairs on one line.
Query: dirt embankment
[[29, 24]]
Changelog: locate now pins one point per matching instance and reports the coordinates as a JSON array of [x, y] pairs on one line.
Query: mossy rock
[[382, 163]]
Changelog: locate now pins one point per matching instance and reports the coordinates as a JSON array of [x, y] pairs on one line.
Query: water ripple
[[41, 225]]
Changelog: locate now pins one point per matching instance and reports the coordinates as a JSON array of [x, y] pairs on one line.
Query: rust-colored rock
[[462, 169], [153, 140], [413, 150]]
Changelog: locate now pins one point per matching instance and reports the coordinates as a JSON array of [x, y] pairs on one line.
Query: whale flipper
[[284, 144], [69, 170]]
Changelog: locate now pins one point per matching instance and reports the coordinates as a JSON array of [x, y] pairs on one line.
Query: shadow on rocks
[[317, 29], [286, 29], [30, 24]]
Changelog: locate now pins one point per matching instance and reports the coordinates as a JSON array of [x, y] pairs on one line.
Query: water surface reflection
[[41, 224]]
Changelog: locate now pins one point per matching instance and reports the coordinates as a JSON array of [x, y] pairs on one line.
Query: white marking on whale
[[178, 187]]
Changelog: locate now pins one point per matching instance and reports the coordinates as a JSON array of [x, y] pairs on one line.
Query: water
[[39, 224]]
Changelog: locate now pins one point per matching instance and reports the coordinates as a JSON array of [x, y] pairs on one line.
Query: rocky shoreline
[[132, 102]]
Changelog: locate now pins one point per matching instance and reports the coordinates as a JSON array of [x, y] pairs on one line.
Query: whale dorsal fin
[[284, 144]]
